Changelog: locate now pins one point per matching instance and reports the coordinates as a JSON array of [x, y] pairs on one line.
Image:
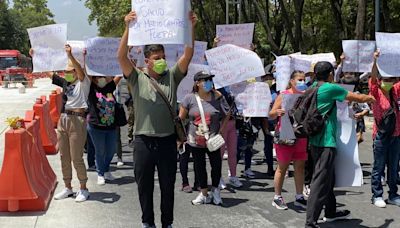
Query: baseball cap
[[202, 75]]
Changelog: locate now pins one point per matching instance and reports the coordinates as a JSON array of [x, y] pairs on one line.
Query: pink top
[[382, 104]]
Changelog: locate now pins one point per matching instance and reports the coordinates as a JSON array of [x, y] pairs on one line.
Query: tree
[[11, 31], [360, 26]]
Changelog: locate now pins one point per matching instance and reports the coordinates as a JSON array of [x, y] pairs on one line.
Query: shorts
[[297, 152]]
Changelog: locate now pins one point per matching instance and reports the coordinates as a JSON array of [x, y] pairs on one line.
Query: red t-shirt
[[382, 104]]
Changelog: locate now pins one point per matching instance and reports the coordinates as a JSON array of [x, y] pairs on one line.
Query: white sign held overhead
[[359, 55], [238, 34], [161, 22], [48, 43], [283, 71], [200, 48], [186, 85], [329, 57], [101, 58], [137, 55], [232, 64], [255, 98], [389, 59], [77, 47]]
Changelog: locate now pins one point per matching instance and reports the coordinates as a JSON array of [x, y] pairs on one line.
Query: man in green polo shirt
[[323, 147], [154, 130]]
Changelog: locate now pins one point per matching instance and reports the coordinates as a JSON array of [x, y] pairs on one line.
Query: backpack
[[305, 118], [387, 125]]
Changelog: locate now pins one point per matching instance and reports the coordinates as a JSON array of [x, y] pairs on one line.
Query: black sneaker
[[338, 216], [279, 203], [301, 203]]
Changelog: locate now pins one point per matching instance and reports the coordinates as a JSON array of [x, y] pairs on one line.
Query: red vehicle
[[15, 67]]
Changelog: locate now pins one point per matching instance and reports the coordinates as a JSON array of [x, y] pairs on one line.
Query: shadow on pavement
[[352, 223], [231, 202], [22, 213], [347, 193], [123, 180], [254, 186], [104, 197], [299, 210]]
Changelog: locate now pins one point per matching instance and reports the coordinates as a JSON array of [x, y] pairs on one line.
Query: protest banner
[[48, 43], [161, 22], [359, 55], [232, 64], [186, 85], [238, 34], [77, 47], [329, 57], [137, 55], [286, 132], [101, 58], [254, 98], [200, 48], [389, 59], [283, 72], [171, 54]]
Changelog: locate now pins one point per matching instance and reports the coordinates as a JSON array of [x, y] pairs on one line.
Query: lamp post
[[237, 3]]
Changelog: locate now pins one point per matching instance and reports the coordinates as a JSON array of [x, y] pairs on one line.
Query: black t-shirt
[[102, 106]]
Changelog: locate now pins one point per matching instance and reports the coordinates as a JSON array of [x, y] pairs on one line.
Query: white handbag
[[214, 142]]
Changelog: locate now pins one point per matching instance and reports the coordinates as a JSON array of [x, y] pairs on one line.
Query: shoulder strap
[[163, 96], [203, 118]]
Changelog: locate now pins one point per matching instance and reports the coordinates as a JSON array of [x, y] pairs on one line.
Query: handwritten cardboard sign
[[389, 59], [238, 34], [48, 43], [232, 64], [200, 48], [77, 47], [160, 22], [359, 55], [329, 57], [101, 58], [254, 98], [186, 85], [137, 55]]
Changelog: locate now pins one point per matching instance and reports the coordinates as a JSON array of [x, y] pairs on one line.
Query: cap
[[202, 75], [323, 68], [70, 66], [268, 69]]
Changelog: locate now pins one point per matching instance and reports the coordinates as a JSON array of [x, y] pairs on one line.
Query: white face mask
[[101, 82]]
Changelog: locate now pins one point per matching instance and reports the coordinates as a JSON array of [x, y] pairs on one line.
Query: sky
[[75, 14]]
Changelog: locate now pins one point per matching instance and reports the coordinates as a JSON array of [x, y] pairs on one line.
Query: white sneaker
[[225, 157], [120, 162], [248, 173], [201, 199], [379, 202], [235, 182], [216, 196], [109, 176], [101, 180], [65, 193], [306, 191], [222, 184], [82, 195]]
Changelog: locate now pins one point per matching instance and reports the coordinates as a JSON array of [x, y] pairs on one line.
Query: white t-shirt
[[77, 94]]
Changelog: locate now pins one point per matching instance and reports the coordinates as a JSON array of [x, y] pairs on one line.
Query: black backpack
[[305, 118]]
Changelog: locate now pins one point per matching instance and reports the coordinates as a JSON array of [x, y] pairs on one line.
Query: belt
[[72, 113]]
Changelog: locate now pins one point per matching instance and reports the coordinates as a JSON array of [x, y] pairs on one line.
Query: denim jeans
[[105, 147], [90, 151], [245, 145], [386, 153]]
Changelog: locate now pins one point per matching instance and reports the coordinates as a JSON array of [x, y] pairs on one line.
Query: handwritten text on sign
[[359, 55], [255, 98], [238, 34], [101, 59], [48, 44], [389, 59], [186, 85], [160, 22], [232, 64], [199, 49]]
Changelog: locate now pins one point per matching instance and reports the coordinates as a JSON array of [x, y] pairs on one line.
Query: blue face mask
[[301, 85], [208, 85]]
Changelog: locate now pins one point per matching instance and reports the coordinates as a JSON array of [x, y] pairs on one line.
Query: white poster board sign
[[186, 85], [329, 57], [238, 34], [48, 43], [359, 55], [283, 72], [77, 46], [160, 22], [101, 58], [389, 59], [255, 98], [348, 170], [137, 55], [232, 64], [286, 132], [200, 48]]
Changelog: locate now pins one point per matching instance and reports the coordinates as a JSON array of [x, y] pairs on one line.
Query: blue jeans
[[386, 152], [105, 147], [245, 145]]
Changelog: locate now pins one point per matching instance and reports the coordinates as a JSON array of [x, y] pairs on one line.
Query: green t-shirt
[[152, 116], [327, 96]]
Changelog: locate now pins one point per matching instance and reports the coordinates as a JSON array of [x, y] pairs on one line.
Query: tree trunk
[[289, 26], [337, 13], [360, 24], [385, 13], [298, 6]]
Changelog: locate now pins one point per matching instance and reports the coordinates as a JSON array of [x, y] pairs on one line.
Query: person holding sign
[[154, 130], [285, 152], [386, 134], [71, 128]]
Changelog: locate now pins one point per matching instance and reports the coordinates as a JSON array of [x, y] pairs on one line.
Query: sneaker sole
[[64, 197], [335, 219], [278, 207], [79, 201], [300, 205]]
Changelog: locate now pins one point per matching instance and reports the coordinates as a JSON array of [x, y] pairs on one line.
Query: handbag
[[120, 116], [179, 127], [214, 142], [387, 125]]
